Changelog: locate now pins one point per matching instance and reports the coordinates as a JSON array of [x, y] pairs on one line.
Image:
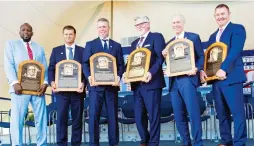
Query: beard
[[26, 39]]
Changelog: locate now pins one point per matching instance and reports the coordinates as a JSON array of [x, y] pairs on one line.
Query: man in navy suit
[[182, 88], [66, 99], [147, 93], [103, 94], [228, 90]]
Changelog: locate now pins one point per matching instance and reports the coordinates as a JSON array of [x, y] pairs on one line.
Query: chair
[[52, 117], [203, 115], [103, 116], [4, 124], [166, 111], [126, 112]]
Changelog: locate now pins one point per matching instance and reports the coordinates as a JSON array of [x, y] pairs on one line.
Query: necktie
[[219, 34], [140, 42], [70, 53], [105, 46], [29, 50]]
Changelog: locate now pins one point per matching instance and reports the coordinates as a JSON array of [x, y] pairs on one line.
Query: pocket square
[[148, 45], [61, 52]]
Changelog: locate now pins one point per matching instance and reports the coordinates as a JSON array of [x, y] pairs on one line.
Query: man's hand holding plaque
[[215, 54], [30, 78], [103, 70], [138, 66]]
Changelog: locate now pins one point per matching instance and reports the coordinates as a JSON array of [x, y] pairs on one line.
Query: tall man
[[103, 94], [228, 90], [66, 99], [182, 88], [16, 52], [148, 93]]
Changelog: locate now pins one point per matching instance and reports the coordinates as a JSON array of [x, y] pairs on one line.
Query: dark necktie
[[105, 46], [140, 42], [70, 53], [29, 50]]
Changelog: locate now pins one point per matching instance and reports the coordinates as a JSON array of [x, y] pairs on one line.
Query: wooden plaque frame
[[57, 75], [207, 53], [191, 55], [92, 66], [144, 67], [21, 74]]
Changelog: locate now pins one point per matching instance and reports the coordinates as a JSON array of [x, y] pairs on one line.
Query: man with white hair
[[147, 93], [182, 88]]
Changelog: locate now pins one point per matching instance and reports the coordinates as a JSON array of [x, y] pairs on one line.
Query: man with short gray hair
[[182, 88], [147, 93]]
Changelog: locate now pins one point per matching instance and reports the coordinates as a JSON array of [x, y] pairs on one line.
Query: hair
[[26, 24], [69, 27], [222, 6], [180, 16], [103, 20]]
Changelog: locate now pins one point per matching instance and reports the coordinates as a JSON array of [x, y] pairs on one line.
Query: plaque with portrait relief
[[138, 65], [68, 75], [103, 69], [31, 76], [215, 54], [180, 58]]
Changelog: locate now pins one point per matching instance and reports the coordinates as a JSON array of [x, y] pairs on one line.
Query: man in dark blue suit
[[66, 99], [183, 88], [103, 94], [147, 93], [228, 90]]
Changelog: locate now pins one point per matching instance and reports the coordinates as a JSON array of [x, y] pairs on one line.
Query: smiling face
[[69, 36], [26, 32], [143, 28], [222, 16], [103, 29], [178, 24]]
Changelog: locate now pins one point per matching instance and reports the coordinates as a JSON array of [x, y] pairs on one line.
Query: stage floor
[[162, 143]]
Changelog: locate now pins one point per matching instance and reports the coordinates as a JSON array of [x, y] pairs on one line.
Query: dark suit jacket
[[155, 42], [199, 59], [95, 46], [58, 54], [234, 37]]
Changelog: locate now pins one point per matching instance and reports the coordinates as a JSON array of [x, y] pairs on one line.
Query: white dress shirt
[[68, 51], [145, 36], [104, 42]]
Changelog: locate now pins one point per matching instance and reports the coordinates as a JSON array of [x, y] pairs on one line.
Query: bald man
[[183, 88], [16, 52]]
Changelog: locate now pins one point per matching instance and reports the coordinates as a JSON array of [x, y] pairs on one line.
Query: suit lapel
[[147, 39], [76, 53], [111, 47], [63, 53], [99, 45], [225, 33]]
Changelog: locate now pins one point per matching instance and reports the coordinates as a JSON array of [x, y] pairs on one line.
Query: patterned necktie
[[140, 42], [29, 50], [219, 34], [70, 53], [105, 46]]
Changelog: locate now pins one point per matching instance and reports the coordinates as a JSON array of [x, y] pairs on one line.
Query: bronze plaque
[[103, 69], [138, 64], [180, 58], [215, 54], [31, 76], [68, 75]]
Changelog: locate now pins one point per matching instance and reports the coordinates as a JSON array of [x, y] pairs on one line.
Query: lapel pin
[[61, 52]]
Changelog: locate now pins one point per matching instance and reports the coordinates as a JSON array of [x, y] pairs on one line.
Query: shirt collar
[[145, 35], [224, 27], [30, 42], [73, 46], [181, 35], [107, 38]]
